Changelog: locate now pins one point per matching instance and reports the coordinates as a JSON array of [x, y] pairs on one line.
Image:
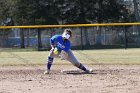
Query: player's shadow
[[77, 72]]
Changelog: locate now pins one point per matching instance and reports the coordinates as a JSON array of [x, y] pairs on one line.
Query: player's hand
[[53, 47]]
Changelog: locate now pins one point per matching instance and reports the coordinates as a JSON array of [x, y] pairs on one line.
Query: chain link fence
[[83, 37]]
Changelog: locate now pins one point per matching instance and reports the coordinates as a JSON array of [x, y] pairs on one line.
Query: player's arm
[[52, 42]]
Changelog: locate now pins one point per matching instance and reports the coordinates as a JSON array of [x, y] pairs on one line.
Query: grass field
[[108, 56]]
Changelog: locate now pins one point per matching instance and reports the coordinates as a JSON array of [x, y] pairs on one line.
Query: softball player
[[61, 48]]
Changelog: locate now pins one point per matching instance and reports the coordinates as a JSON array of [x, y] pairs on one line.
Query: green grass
[[108, 56], [17, 49]]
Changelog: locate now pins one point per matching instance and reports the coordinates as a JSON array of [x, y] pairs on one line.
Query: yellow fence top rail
[[71, 25]]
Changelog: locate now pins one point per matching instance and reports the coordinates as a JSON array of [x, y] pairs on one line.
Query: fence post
[[81, 38], [22, 43], [126, 39], [39, 39]]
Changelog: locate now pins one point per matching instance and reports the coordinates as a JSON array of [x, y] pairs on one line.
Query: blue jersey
[[59, 43]]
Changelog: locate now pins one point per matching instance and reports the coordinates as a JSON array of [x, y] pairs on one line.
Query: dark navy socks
[[49, 64], [82, 67]]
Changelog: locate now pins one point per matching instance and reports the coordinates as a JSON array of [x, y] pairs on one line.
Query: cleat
[[89, 71], [46, 72], [62, 71]]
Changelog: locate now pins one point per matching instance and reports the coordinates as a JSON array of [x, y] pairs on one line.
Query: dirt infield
[[104, 79]]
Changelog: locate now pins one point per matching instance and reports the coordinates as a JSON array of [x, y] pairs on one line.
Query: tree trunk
[[28, 37], [86, 37], [99, 20], [98, 38], [83, 20], [22, 45], [136, 12], [39, 39]]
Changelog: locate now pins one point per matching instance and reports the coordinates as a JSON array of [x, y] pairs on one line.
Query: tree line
[[50, 12], [34, 12]]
